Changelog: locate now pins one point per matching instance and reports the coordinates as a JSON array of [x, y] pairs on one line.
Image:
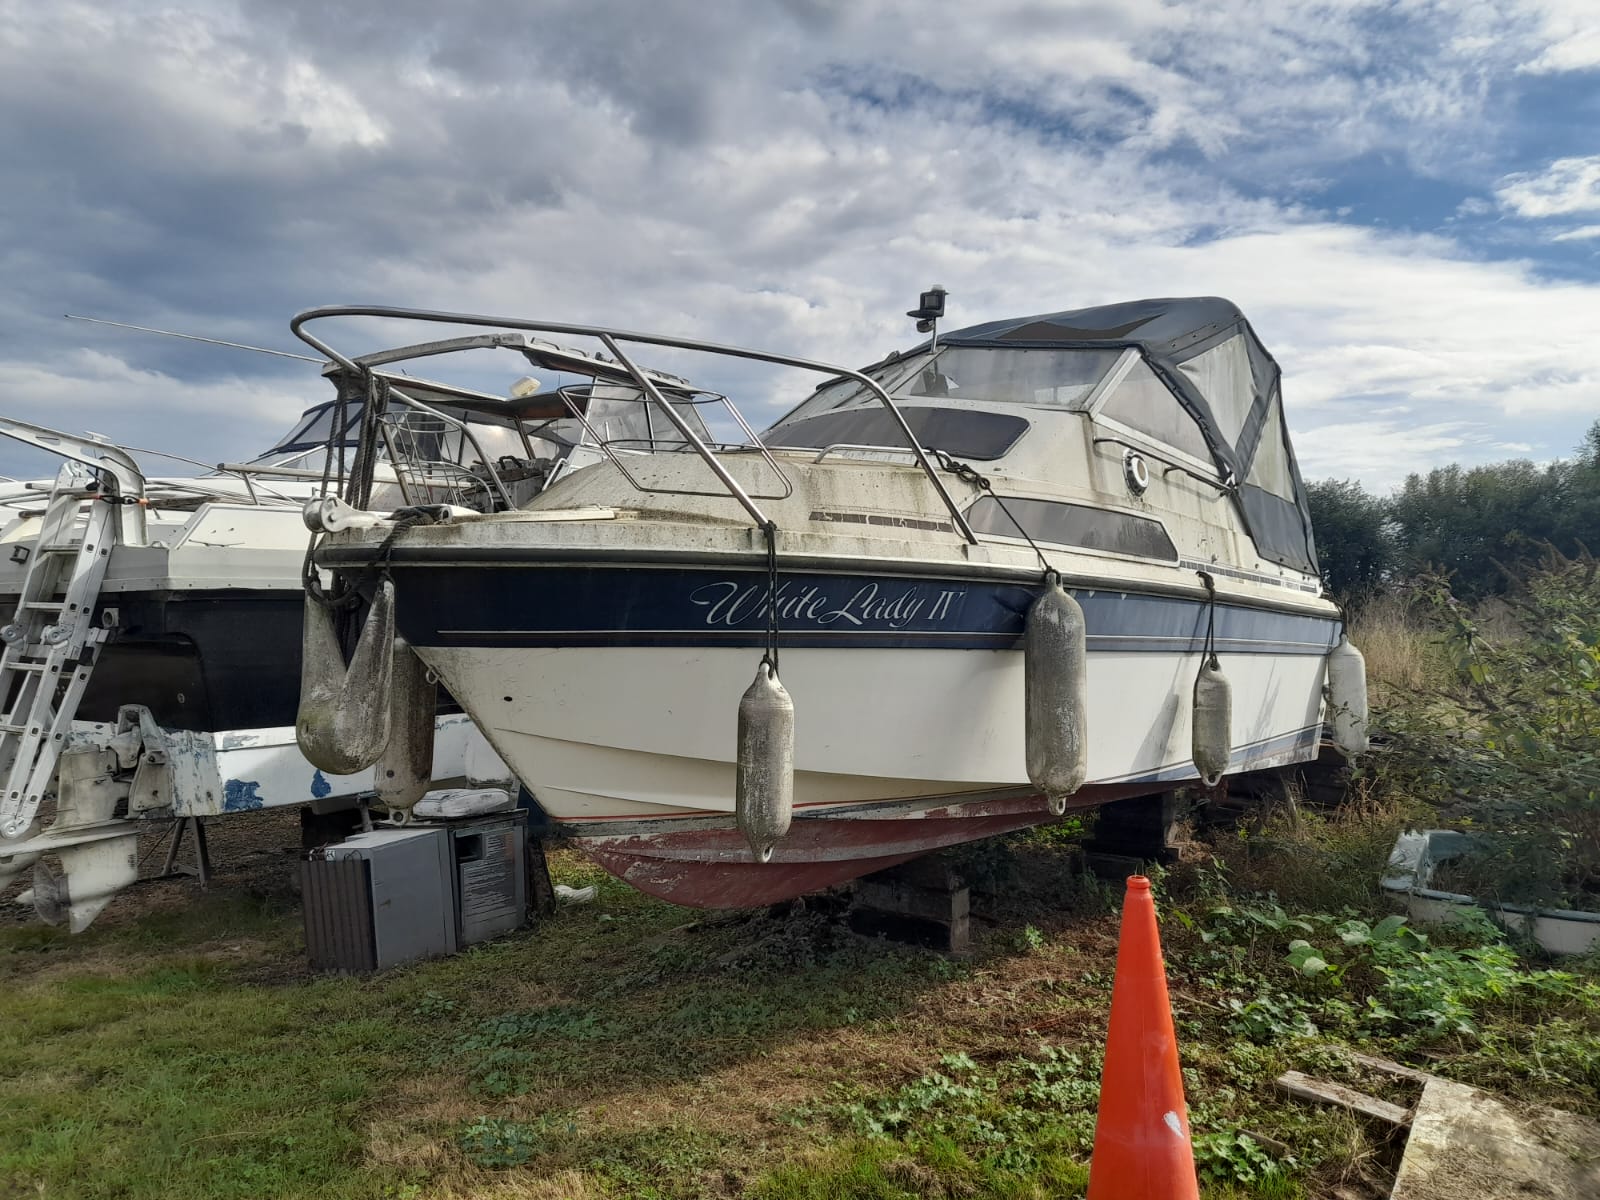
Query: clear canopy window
[[1043, 378], [1270, 469], [1142, 402], [1223, 376]]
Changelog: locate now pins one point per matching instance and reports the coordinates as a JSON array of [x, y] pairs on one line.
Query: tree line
[[1472, 523]]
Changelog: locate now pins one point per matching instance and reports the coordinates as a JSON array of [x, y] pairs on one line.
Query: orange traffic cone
[[1141, 1140]]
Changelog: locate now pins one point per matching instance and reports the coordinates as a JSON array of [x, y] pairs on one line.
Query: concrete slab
[[1465, 1143]]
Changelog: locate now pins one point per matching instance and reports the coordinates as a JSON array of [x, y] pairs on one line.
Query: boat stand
[[202, 853]]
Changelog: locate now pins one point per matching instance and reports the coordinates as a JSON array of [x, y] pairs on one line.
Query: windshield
[[1037, 378], [618, 415], [312, 430], [849, 393], [1047, 378]]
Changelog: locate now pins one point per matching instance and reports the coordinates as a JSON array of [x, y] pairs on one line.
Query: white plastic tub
[[1411, 866]]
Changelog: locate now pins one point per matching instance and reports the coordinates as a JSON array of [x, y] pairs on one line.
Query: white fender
[[764, 788], [1211, 727], [1347, 697], [1055, 698]]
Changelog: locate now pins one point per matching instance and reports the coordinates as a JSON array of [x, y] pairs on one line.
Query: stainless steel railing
[[611, 339]]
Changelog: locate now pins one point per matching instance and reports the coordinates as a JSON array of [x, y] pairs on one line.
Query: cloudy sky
[[1403, 195]]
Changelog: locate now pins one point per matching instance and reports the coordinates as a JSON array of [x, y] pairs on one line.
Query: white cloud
[[1580, 234], [789, 182], [92, 391], [1567, 186], [1570, 35], [1379, 454]]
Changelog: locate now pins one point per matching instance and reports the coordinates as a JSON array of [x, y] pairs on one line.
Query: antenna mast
[[190, 337]]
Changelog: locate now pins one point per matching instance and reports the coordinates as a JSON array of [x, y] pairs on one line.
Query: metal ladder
[[51, 644]]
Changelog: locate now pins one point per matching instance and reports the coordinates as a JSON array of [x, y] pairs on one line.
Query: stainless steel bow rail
[[403, 389]]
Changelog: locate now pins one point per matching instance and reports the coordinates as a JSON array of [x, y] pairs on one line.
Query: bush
[[1513, 750], [1355, 538]]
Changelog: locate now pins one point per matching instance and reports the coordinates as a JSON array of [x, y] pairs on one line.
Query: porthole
[[1136, 472]]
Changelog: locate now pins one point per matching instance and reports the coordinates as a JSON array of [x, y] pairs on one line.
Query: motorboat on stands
[[157, 620], [1036, 564]]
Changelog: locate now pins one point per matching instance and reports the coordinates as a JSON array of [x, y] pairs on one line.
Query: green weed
[[497, 1143]]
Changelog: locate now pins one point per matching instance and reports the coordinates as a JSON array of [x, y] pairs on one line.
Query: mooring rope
[[771, 655], [1209, 654], [970, 474]]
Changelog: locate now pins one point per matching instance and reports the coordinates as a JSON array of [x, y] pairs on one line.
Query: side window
[[1141, 401], [1062, 524]]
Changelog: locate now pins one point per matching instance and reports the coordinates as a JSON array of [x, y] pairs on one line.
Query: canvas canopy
[[1217, 370]]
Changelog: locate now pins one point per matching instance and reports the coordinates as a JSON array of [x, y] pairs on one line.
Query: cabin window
[[1073, 525], [1143, 402], [963, 432], [1224, 378]]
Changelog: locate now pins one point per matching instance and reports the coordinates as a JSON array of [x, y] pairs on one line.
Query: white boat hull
[[614, 734], [612, 690]]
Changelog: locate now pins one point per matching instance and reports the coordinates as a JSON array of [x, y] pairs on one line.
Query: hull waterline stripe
[[954, 640], [1081, 574], [585, 605]]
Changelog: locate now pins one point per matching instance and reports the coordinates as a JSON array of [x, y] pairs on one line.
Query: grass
[[168, 1057], [629, 1048], [1402, 653]]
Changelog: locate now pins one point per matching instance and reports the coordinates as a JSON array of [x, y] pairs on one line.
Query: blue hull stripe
[[591, 605]]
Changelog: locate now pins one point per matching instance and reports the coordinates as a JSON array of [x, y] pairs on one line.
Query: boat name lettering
[[730, 602]]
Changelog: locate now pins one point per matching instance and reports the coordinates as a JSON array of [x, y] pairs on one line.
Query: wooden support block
[[952, 938], [1303, 1087], [934, 871], [889, 905], [541, 893], [1139, 829], [907, 901], [1114, 868]]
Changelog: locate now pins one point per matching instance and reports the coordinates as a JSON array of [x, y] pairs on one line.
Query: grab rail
[[1222, 485], [859, 446], [610, 339]]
